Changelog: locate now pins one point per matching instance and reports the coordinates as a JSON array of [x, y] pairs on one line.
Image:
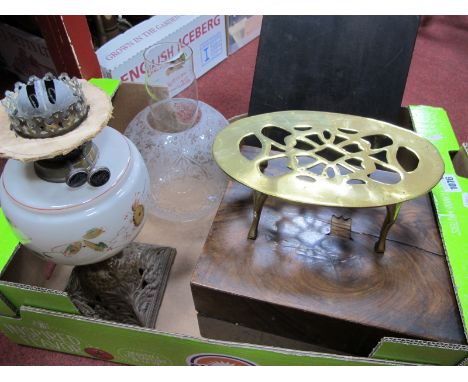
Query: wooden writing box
[[300, 281]]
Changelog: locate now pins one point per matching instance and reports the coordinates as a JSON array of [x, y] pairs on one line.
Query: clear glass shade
[[172, 87], [175, 134]]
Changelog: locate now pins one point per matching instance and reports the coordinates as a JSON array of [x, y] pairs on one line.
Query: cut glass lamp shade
[[186, 183]]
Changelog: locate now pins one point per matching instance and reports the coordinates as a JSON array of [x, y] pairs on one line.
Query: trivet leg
[[392, 214], [258, 201]]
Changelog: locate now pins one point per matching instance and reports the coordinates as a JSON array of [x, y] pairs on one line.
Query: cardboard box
[[122, 57], [23, 53], [241, 30], [36, 311]]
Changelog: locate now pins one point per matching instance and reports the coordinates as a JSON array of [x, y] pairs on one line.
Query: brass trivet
[[329, 159]]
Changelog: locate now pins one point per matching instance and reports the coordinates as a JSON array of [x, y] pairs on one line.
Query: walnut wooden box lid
[[300, 280]]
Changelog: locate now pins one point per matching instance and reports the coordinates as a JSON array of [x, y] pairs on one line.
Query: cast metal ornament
[[127, 288], [329, 159]]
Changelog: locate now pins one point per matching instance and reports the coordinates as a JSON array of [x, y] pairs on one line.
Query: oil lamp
[[74, 189]]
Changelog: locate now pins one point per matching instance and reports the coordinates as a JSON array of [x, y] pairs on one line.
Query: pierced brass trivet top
[[328, 159]]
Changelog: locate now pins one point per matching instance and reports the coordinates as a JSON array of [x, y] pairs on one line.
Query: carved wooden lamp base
[[126, 288]]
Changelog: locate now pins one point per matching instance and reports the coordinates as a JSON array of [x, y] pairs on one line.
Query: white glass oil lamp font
[[74, 189]]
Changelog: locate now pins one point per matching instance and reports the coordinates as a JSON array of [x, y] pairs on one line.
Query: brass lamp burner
[[46, 107], [75, 168], [329, 159]]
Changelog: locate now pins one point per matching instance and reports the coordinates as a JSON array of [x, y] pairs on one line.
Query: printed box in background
[[122, 57], [23, 53], [241, 30]]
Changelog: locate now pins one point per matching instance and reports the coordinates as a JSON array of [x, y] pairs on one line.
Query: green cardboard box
[[35, 311]]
